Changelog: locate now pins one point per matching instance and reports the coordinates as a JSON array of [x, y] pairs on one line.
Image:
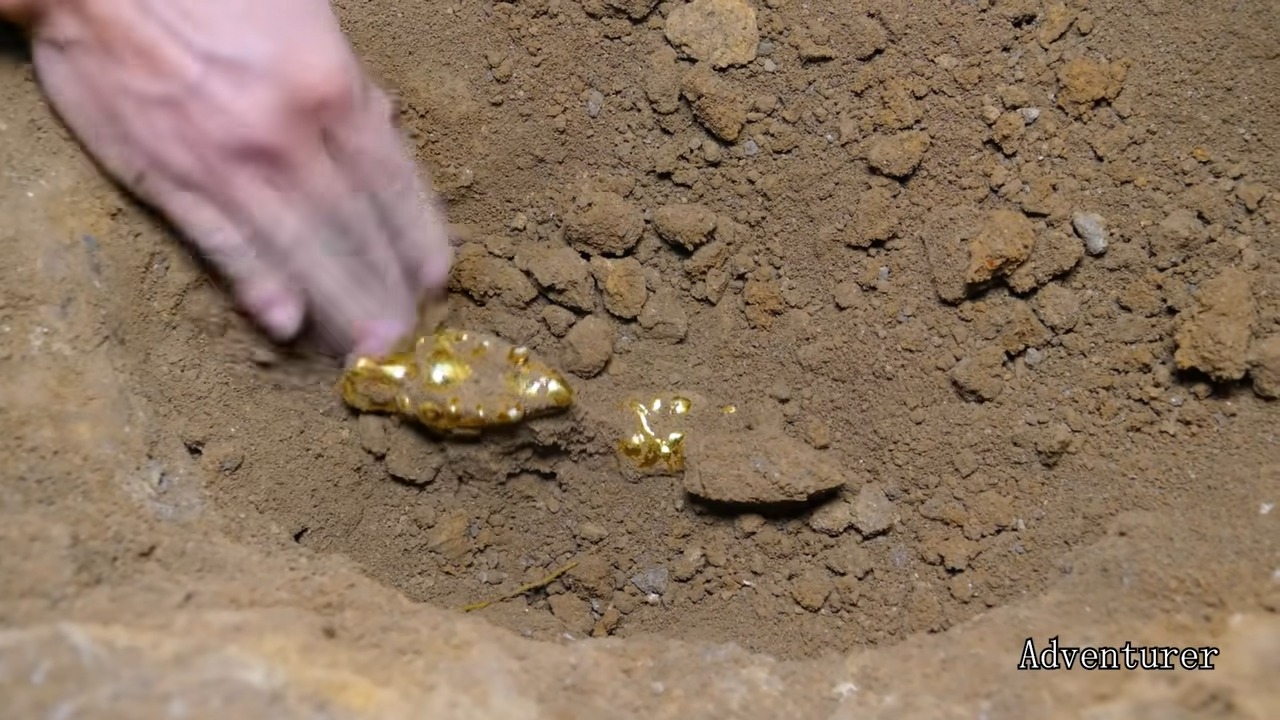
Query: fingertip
[[378, 337], [433, 275], [279, 313], [437, 260]]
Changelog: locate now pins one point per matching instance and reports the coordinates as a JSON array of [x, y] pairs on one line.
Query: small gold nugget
[[653, 443], [457, 381]]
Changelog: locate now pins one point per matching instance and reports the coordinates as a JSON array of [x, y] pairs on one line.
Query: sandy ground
[[995, 289]]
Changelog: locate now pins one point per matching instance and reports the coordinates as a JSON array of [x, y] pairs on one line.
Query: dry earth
[[995, 287]]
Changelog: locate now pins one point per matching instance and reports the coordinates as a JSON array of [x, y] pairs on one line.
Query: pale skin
[[251, 126]]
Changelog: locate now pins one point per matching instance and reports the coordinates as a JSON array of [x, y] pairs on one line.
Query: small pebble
[[1033, 357], [1093, 230], [595, 101], [652, 581]]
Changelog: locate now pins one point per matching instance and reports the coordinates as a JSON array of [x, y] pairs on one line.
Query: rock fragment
[[1092, 229], [872, 511], [832, 518], [1214, 337], [722, 33], [652, 581]]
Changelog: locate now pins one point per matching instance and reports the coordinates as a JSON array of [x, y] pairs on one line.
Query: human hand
[[252, 128]]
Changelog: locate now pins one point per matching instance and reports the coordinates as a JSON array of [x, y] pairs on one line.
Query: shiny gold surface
[[455, 380], [655, 441]]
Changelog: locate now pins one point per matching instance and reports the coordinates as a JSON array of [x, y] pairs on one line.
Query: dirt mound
[[992, 293]]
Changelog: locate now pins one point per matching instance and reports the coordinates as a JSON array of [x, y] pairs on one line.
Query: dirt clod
[[603, 223], [565, 278], [812, 589], [720, 32], [1054, 254], [1264, 367], [717, 105], [965, 465], [898, 155], [1084, 81], [1214, 337], [588, 346], [663, 317], [1057, 307], [623, 285], [866, 37], [1004, 242], [833, 518], [686, 225], [980, 376], [487, 278], [767, 468]]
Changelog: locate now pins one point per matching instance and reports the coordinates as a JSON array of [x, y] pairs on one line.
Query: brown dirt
[[867, 239]]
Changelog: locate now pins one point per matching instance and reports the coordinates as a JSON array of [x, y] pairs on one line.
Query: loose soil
[[994, 289]]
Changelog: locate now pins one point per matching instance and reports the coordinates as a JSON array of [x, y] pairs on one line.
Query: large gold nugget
[[457, 381]]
